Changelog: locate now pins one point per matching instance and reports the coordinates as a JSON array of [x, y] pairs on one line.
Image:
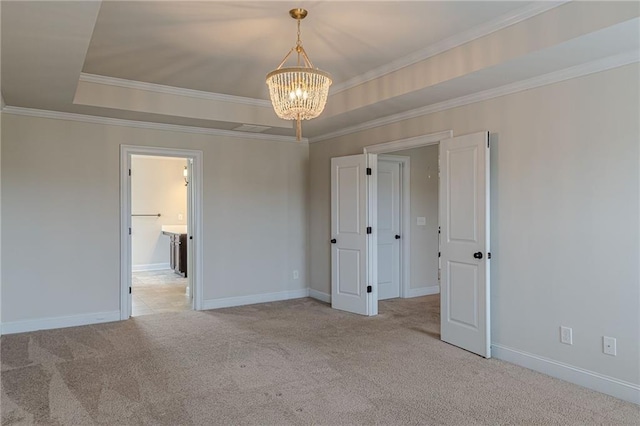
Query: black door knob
[[397, 237], [478, 255], [333, 241]]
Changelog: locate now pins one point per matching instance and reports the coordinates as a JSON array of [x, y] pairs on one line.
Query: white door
[[352, 241], [464, 221], [388, 229]]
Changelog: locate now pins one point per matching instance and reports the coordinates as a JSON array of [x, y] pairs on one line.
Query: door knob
[[478, 255], [333, 241], [397, 237]]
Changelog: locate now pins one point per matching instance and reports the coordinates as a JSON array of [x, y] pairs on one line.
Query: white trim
[[195, 275], [59, 115], [581, 70], [320, 295], [423, 291], [404, 163], [229, 302], [172, 90], [409, 143], [579, 376], [150, 267], [58, 322], [499, 23]]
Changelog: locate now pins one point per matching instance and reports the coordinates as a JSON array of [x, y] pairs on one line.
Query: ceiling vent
[[252, 128]]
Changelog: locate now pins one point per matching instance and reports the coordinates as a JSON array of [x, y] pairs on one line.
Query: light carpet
[[292, 362]]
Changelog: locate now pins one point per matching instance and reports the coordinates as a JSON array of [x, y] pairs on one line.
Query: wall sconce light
[[185, 173]]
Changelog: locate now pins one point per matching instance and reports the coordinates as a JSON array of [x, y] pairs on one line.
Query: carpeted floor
[[293, 362]]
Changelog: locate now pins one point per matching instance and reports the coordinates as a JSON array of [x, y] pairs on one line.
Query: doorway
[[161, 202], [463, 216], [159, 223], [408, 223]]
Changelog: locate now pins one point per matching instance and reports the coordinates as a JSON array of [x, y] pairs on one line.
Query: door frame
[[194, 268], [390, 148], [404, 163]]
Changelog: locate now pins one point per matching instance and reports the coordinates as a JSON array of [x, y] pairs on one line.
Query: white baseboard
[[58, 322], [150, 267], [229, 302], [579, 376], [422, 291], [319, 295]]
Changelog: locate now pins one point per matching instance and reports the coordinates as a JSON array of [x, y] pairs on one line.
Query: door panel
[[388, 228], [464, 219], [351, 247], [348, 272]]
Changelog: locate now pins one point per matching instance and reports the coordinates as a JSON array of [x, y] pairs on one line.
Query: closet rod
[[157, 214]]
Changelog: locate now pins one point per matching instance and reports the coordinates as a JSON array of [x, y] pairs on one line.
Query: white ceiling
[[385, 57]]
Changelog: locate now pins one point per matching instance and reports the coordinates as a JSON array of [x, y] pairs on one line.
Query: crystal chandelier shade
[[299, 92]]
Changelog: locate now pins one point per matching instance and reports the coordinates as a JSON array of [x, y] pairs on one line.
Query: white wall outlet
[[422, 221], [180, 216], [566, 335], [609, 345], [295, 275]]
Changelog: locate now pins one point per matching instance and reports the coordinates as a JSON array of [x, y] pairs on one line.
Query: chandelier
[[298, 92]]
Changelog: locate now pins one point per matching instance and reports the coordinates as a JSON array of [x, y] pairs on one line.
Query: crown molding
[[171, 90], [543, 80], [504, 21], [58, 115]]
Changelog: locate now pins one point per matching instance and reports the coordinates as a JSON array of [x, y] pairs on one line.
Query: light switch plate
[[422, 221]]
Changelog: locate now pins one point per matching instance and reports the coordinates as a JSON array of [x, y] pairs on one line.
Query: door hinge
[[369, 230], [488, 139], [489, 255], [129, 231], [438, 229], [129, 172], [369, 289], [129, 290], [438, 254], [368, 171]]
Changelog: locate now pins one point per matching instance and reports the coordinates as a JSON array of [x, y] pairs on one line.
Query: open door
[[353, 239], [464, 221]]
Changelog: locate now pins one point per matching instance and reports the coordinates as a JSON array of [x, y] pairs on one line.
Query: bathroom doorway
[[160, 217], [159, 222]]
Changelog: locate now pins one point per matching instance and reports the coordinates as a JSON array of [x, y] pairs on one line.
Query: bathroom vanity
[[177, 247]]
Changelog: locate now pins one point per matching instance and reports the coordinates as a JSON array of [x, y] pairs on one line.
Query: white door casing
[[388, 228], [353, 273], [464, 221]]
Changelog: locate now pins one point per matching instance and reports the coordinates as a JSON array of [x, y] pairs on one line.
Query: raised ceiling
[[203, 64]]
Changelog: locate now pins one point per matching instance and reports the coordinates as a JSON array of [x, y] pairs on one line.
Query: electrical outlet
[[295, 275], [180, 216], [609, 345], [566, 335]]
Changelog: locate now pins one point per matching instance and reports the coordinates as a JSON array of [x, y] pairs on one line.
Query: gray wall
[[61, 207], [564, 214]]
